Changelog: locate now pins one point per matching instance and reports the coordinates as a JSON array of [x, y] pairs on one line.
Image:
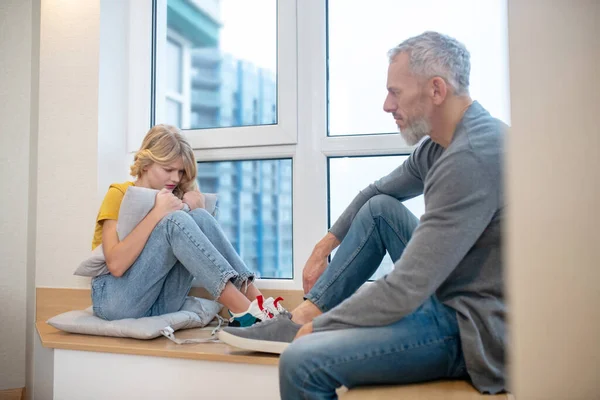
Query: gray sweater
[[456, 250]]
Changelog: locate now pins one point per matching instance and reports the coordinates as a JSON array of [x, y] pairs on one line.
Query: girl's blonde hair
[[163, 144]]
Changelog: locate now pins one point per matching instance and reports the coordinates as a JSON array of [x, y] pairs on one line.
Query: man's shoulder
[[427, 152], [481, 130], [480, 136]]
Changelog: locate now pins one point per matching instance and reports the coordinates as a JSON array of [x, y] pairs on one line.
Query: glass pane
[[349, 175], [174, 67], [254, 210], [173, 112], [358, 57], [228, 70]]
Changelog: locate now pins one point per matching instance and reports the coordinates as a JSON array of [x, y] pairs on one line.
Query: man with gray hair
[[440, 313]]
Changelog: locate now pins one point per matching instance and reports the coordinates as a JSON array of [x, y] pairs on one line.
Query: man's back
[[475, 287]]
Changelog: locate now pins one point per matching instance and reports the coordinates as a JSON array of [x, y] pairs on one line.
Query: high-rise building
[[254, 210], [207, 88]]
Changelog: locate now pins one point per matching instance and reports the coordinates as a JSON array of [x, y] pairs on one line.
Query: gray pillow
[[195, 313], [136, 204]]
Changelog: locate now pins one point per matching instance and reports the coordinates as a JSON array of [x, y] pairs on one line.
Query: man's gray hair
[[433, 54]]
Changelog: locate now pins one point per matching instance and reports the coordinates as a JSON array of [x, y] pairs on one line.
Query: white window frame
[[183, 97], [301, 131], [284, 132]]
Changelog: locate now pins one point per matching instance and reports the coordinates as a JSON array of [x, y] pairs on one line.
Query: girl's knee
[[202, 217], [179, 216], [200, 213]]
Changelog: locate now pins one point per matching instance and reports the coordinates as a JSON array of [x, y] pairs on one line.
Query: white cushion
[[195, 313], [136, 204]]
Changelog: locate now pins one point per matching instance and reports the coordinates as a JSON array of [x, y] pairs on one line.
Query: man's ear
[[439, 89]]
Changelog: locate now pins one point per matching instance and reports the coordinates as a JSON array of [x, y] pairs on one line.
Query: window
[[355, 106], [358, 61], [349, 175], [254, 210], [232, 48], [173, 116], [220, 61], [174, 67], [287, 96]]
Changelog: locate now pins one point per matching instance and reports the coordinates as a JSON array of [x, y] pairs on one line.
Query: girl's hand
[[166, 202], [194, 199]]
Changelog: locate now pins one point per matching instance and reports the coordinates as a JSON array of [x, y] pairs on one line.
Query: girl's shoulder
[[121, 187]]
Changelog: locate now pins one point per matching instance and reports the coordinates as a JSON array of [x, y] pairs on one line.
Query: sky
[[359, 38], [250, 31]]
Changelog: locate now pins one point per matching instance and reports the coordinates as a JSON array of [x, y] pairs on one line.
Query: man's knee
[[294, 360], [382, 204]]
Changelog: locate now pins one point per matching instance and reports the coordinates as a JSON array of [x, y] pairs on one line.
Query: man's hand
[[313, 269], [305, 330], [317, 262], [194, 199]]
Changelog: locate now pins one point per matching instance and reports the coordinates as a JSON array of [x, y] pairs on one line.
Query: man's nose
[[389, 105]]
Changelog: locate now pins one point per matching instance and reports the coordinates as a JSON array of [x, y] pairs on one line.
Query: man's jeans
[[182, 246], [422, 346]]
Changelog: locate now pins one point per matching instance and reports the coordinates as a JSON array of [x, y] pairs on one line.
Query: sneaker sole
[[263, 346]]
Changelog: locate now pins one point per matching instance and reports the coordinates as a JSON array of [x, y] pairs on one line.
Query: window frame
[[285, 130], [300, 134], [181, 97]]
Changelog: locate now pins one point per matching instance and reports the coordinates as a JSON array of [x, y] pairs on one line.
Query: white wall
[[142, 377], [32, 337], [15, 90], [68, 139], [553, 172], [41, 386], [113, 104]]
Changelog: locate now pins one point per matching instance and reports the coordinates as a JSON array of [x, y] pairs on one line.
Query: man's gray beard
[[417, 130]]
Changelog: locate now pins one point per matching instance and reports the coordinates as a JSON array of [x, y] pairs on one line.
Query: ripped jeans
[[183, 247]]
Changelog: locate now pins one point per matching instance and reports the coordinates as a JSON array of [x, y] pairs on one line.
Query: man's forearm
[[326, 245]]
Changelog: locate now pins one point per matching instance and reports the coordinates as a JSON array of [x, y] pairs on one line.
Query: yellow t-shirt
[[109, 209]]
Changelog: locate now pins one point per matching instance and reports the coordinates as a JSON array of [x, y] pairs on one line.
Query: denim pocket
[[98, 284]]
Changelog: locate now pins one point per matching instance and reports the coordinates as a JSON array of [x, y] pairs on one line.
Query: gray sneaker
[[269, 336]]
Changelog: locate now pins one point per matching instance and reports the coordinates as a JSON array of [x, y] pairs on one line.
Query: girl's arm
[[120, 255]]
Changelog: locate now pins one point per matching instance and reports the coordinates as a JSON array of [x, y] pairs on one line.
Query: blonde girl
[[151, 270]]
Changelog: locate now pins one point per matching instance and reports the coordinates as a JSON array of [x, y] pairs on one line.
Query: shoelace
[[169, 333], [280, 309], [265, 312], [274, 307]]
